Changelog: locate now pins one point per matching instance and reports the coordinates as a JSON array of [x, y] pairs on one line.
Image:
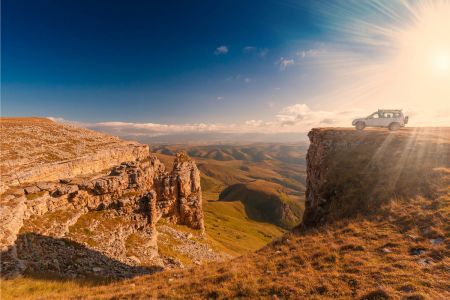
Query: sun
[[417, 74], [441, 61], [424, 47]]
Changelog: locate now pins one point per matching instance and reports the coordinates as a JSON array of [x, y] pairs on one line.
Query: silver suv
[[393, 119]]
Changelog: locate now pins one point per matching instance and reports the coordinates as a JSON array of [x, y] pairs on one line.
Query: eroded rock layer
[[101, 224]]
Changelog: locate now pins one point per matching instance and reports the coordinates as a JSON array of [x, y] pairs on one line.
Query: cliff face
[[351, 173], [85, 216], [179, 193], [37, 149], [85, 165]]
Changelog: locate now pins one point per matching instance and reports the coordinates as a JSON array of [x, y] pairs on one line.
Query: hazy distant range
[[208, 138]]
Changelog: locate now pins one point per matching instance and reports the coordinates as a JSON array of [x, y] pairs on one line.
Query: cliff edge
[[93, 214], [351, 172]]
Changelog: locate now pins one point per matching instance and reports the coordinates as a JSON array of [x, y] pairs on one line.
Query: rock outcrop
[[38, 149], [72, 209], [80, 166], [180, 195], [351, 172]]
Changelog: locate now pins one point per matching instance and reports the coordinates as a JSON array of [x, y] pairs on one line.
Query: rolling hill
[[268, 179]]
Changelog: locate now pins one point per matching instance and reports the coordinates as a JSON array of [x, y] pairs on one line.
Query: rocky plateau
[[95, 215]]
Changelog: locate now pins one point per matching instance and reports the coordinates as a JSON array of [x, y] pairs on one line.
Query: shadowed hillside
[[395, 245], [265, 201]]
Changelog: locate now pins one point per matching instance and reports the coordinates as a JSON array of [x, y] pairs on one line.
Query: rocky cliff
[[351, 173], [84, 216], [38, 149]]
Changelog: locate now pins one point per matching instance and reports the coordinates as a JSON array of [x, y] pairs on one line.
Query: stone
[[417, 251], [64, 189], [46, 186], [32, 190], [437, 241], [19, 192], [135, 259]]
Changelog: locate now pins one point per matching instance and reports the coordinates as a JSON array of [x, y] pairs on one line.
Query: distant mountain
[[216, 137]]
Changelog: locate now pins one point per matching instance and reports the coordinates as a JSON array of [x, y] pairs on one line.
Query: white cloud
[[221, 50], [249, 49], [239, 78], [302, 116], [310, 52], [220, 98], [254, 123], [260, 52], [283, 63]]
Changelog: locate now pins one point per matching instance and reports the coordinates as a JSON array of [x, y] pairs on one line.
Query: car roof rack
[[389, 109]]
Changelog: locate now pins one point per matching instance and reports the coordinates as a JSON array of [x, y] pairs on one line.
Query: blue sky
[[147, 60], [192, 62]]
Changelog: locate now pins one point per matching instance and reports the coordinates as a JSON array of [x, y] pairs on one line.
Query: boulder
[[46, 186], [32, 190], [64, 189]]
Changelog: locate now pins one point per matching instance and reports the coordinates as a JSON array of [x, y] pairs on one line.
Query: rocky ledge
[[98, 224]]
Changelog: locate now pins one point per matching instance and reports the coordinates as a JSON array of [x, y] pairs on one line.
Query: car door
[[388, 119], [373, 120]]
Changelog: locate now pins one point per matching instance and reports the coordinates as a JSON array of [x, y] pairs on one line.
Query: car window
[[374, 116], [388, 115]]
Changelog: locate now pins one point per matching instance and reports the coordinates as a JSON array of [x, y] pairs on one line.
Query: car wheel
[[394, 126], [360, 126]]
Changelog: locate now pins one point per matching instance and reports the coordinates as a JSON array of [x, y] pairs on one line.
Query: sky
[[166, 67]]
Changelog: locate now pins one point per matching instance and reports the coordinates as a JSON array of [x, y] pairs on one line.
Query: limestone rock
[[130, 198], [32, 190], [12, 215], [180, 195]]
